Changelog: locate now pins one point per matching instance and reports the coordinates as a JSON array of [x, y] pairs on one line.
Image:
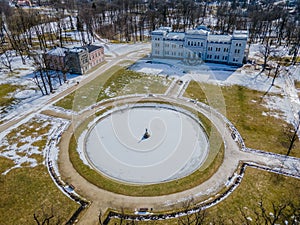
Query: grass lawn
[[26, 191], [29, 139], [256, 185], [297, 84], [6, 99], [116, 81], [244, 108], [124, 82], [196, 178]]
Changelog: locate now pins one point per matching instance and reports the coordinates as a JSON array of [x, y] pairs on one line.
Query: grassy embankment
[[27, 190], [256, 185], [116, 81], [244, 108], [6, 99]]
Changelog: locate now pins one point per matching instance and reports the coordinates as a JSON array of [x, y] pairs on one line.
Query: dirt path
[[105, 199]]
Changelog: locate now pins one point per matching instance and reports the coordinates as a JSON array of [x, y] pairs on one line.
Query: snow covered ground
[[30, 96], [286, 99], [209, 72], [25, 143]]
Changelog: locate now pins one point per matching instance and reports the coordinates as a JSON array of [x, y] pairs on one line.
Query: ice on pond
[[176, 145]]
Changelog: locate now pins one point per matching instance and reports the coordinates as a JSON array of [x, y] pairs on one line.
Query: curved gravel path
[[102, 199]]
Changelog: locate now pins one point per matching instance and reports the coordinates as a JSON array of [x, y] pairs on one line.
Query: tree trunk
[[275, 74], [293, 139], [37, 82], [43, 81], [49, 81]]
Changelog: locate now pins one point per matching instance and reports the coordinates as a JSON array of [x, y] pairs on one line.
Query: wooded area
[[30, 31], [132, 20]]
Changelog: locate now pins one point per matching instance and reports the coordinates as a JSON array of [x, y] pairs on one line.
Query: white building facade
[[200, 44]]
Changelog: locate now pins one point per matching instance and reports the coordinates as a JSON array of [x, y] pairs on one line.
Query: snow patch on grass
[[210, 73], [279, 108], [28, 143]]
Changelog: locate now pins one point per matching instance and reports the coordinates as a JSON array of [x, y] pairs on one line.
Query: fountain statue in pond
[[146, 134]]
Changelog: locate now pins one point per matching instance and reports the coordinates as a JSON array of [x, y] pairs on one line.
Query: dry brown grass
[[297, 84], [116, 81], [256, 185], [244, 108], [24, 191]]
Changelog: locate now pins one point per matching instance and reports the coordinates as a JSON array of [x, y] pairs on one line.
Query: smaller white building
[[200, 44]]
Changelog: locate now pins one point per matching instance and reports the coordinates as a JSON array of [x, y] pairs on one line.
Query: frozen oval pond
[[147, 144]]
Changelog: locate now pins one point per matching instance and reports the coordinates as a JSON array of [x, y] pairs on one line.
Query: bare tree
[[276, 73], [295, 48], [192, 218], [16, 28], [5, 10], [270, 213], [294, 137], [39, 64], [36, 80], [266, 50], [6, 58], [47, 216]]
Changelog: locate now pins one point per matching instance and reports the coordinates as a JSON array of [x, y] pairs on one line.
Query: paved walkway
[[177, 88]]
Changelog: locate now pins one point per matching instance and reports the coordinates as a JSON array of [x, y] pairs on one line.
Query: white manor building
[[200, 44]]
